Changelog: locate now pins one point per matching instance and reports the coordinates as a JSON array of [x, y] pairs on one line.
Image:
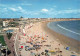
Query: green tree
[[9, 35], [21, 17]]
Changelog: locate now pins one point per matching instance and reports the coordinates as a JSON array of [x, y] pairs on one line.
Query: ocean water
[[68, 28]]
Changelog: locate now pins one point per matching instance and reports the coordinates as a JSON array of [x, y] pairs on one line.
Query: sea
[[68, 28]]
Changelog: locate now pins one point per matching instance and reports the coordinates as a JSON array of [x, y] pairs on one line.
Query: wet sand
[[66, 41]]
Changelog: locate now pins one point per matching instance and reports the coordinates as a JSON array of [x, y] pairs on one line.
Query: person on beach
[[59, 44]]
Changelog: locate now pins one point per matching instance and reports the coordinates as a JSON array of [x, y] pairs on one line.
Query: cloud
[[26, 4], [53, 12], [55, 6], [44, 10], [58, 12], [2, 5], [70, 8], [69, 11], [7, 5], [36, 13], [20, 8], [13, 9]]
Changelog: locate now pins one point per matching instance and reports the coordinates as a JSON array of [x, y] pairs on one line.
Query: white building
[[5, 23]]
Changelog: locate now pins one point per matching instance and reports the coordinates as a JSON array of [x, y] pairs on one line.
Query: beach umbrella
[[30, 38], [34, 35], [24, 34], [37, 35], [21, 46]]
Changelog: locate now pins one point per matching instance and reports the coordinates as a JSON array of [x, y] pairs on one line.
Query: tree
[[13, 24], [9, 35], [21, 17], [4, 51]]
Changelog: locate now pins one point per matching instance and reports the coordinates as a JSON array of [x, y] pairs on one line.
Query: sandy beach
[[48, 42]]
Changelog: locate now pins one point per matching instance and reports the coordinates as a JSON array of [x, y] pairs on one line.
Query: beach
[[39, 34]]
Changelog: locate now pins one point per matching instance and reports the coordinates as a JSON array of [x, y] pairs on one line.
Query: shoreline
[[74, 44]]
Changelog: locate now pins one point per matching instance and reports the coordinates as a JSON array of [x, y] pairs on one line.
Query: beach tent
[[23, 31], [67, 48], [51, 51], [31, 43], [42, 38], [46, 50], [73, 55], [26, 46]]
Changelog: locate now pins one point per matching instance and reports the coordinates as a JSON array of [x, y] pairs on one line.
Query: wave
[[67, 29]]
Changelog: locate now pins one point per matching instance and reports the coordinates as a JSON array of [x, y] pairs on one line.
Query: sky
[[40, 8]]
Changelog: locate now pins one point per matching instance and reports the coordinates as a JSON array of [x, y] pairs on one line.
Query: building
[[5, 23]]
